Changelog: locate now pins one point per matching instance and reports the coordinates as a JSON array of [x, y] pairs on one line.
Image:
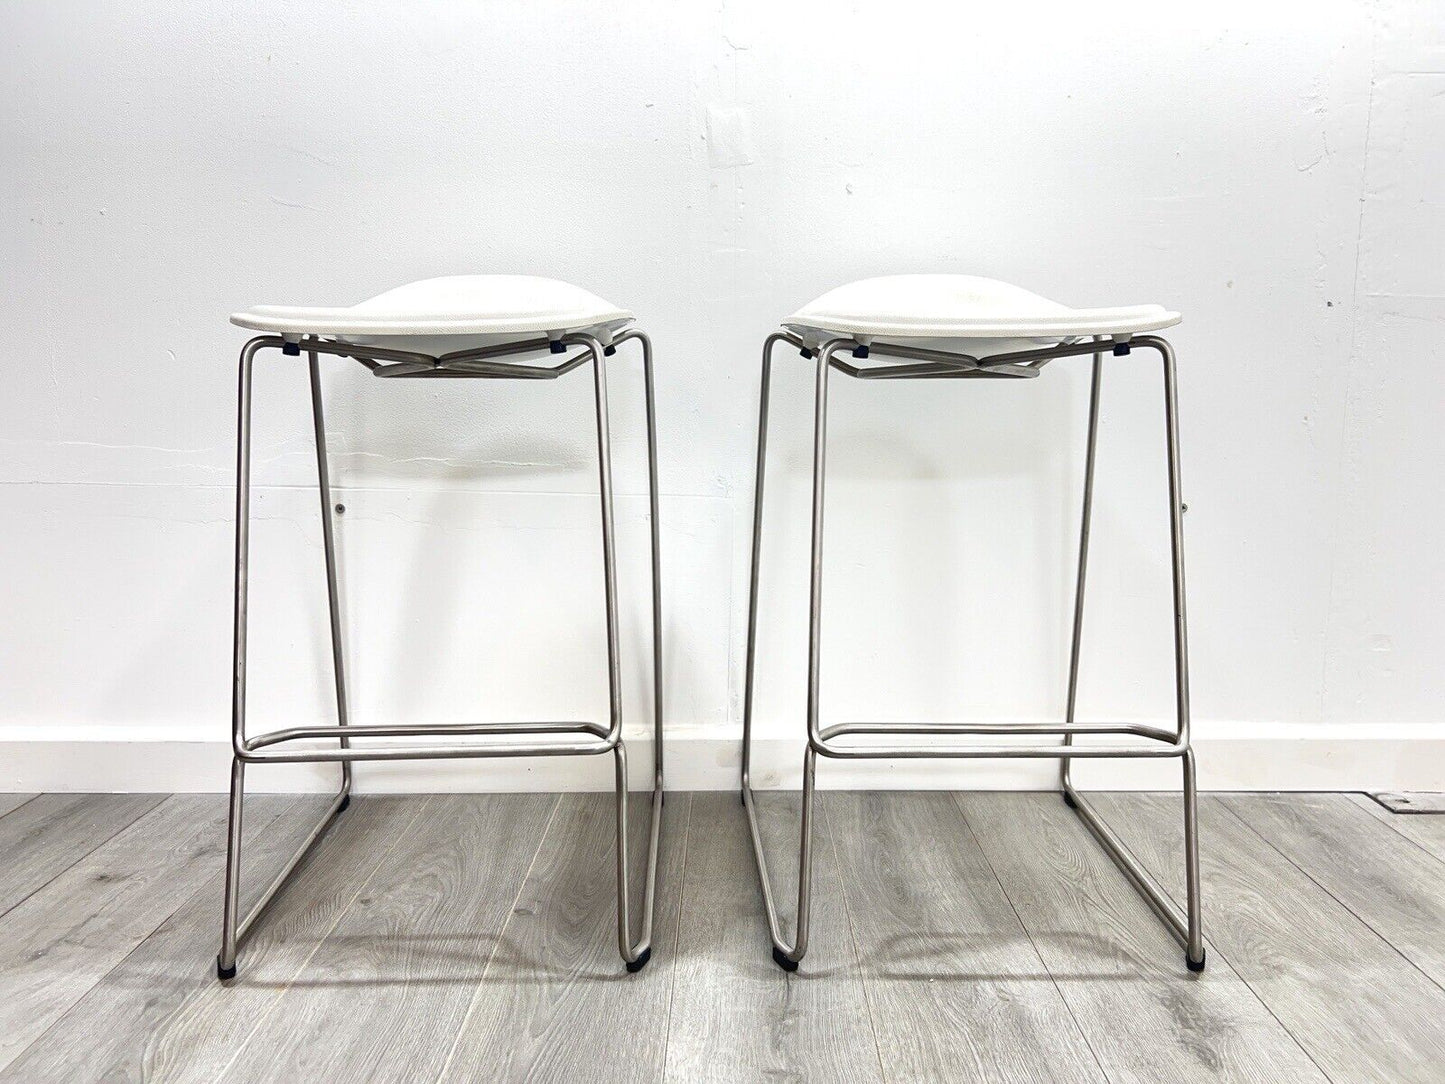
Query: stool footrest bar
[[479, 751], [263, 747], [418, 730], [1000, 752], [1139, 730]]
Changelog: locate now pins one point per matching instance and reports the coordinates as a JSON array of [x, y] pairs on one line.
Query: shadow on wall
[[485, 434]]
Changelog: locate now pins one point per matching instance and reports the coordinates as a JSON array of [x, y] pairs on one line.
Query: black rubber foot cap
[[1069, 800], [608, 351], [860, 351], [634, 966], [224, 973], [1193, 966], [556, 347], [781, 959], [344, 803]]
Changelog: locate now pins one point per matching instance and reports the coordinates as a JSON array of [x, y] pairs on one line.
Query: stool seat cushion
[[961, 307], [453, 313]]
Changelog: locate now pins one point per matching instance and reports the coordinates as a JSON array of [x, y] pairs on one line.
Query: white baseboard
[[1231, 757]]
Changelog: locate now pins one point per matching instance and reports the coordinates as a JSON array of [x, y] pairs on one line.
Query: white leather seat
[[957, 312], [459, 312]]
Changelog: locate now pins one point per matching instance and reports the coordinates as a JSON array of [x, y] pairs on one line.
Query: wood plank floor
[[955, 937]]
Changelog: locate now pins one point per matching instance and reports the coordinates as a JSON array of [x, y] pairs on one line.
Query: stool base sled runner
[[470, 740], [916, 362]]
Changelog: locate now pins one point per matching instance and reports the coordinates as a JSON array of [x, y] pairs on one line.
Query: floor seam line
[[267, 827], [133, 950], [261, 1017], [81, 857], [963, 815], [1220, 954], [857, 953], [22, 805], [1361, 919], [62, 1014], [497, 943], [1390, 824], [676, 935]]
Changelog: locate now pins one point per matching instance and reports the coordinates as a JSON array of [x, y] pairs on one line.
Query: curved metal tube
[[1162, 742], [783, 951], [470, 751], [999, 752], [1140, 730], [635, 952], [1189, 927], [388, 730], [750, 665], [387, 362]]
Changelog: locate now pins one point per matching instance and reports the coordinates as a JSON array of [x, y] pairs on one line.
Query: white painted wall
[[1273, 171]]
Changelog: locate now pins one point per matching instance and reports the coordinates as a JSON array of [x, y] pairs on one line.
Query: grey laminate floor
[[956, 937]]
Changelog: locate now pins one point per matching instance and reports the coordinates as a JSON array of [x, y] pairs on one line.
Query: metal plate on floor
[[1414, 802]]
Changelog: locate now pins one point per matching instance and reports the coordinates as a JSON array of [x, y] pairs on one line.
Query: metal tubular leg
[[230, 909], [1095, 380], [815, 583], [655, 510], [1194, 943], [328, 540], [609, 559], [788, 955], [635, 953], [230, 914], [757, 552], [233, 927], [1194, 934], [1189, 927]]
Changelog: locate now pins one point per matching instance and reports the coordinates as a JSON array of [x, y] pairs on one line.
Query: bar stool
[[955, 327], [462, 327]]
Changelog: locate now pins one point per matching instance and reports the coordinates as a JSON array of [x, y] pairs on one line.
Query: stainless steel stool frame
[[824, 741], [590, 739]]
